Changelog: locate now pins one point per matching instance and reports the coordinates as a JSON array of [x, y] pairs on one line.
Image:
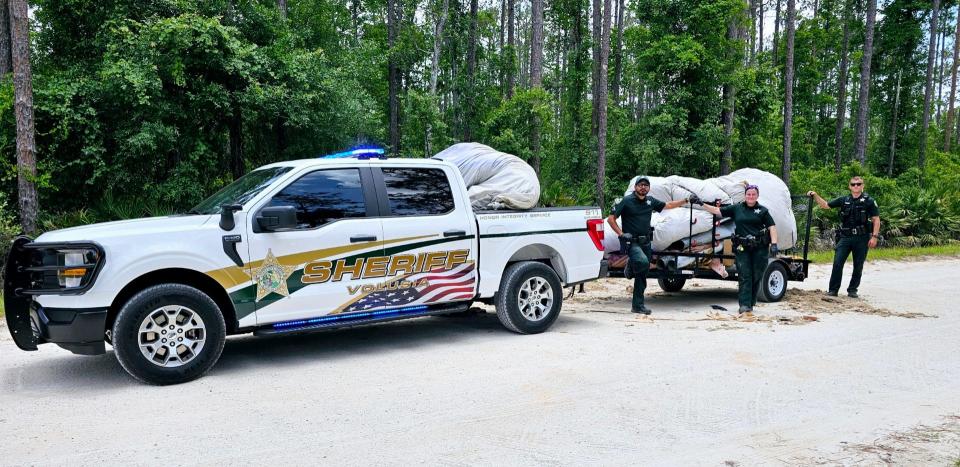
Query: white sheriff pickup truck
[[294, 247]]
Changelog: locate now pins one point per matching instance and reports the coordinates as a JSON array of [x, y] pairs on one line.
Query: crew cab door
[[316, 267], [429, 235]]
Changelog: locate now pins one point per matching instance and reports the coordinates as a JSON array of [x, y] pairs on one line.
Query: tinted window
[[418, 192], [241, 190], [324, 196]]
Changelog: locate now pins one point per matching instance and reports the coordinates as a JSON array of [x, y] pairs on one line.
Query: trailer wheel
[[529, 298], [774, 285], [169, 334], [671, 283]]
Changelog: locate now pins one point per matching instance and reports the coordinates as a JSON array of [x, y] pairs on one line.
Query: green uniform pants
[[858, 245], [640, 267], [751, 265]]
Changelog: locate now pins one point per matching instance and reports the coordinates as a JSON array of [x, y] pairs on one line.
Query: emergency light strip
[[349, 317], [360, 153]]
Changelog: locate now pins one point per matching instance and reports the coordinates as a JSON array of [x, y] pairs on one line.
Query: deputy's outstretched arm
[[773, 234], [612, 220], [711, 209], [819, 199], [675, 204]]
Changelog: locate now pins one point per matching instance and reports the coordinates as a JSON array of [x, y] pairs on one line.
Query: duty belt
[[854, 231], [748, 242]]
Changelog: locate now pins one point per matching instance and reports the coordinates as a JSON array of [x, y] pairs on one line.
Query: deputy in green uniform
[[858, 232], [753, 224], [636, 209]]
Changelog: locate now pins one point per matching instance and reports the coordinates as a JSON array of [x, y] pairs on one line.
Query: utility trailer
[[789, 265]]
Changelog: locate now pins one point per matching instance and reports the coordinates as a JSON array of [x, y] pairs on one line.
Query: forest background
[[144, 107]]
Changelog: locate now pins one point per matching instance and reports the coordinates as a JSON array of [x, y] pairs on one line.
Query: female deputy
[[750, 243]]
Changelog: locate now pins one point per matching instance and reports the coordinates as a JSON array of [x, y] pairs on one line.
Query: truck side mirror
[[226, 216], [277, 218]]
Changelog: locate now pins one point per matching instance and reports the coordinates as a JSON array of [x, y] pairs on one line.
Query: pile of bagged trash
[[494, 179], [497, 180], [673, 227]]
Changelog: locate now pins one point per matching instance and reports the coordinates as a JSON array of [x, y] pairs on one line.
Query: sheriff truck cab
[[294, 247]]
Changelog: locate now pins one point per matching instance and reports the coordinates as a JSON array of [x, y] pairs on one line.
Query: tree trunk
[[602, 96], [752, 6], [948, 129], [943, 40], [393, 78], [511, 51], [788, 91], [893, 128], [618, 54], [435, 69], [23, 114], [729, 102], [471, 73], [282, 5], [595, 83], [536, 76], [6, 65], [928, 90], [842, 86], [776, 34], [760, 26], [863, 99], [355, 19]]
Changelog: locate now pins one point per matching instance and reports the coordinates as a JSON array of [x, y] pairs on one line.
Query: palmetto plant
[[922, 217]]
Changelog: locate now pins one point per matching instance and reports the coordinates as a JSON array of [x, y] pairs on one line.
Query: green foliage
[[143, 106], [9, 229]]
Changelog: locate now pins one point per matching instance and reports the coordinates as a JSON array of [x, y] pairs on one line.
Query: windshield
[[241, 190]]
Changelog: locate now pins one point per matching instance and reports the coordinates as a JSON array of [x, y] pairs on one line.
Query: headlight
[[62, 268], [78, 264]]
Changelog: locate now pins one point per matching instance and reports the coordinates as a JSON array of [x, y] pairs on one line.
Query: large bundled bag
[[494, 179], [674, 225]]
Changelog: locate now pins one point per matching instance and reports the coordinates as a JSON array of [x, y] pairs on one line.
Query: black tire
[[774, 285], [671, 283], [507, 301], [148, 302]]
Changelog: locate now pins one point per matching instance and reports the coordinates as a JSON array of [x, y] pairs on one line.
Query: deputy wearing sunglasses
[[859, 230]]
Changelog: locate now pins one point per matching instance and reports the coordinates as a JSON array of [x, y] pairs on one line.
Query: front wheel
[[169, 334], [529, 298], [774, 285]]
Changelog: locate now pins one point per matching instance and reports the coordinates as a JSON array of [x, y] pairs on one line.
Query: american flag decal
[[442, 285]]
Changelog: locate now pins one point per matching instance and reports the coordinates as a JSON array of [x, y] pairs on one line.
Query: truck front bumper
[[79, 330]]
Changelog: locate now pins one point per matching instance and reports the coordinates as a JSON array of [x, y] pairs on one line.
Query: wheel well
[[195, 279], [543, 254]]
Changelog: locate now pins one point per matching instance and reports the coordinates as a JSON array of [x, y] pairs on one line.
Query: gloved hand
[[774, 251], [694, 199]]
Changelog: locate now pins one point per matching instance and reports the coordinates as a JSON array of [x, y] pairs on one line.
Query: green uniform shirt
[[855, 212], [635, 214], [750, 221]]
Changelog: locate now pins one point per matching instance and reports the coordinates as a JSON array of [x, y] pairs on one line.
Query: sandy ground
[[807, 381]]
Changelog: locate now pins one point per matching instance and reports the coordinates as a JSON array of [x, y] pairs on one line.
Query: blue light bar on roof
[[359, 153]]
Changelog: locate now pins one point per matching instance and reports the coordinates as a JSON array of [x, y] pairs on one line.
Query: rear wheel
[[529, 298], [774, 285], [671, 283], [169, 334]]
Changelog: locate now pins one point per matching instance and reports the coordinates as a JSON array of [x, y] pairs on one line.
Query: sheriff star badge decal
[[271, 277]]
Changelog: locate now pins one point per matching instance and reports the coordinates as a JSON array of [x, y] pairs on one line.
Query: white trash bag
[[494, 179]]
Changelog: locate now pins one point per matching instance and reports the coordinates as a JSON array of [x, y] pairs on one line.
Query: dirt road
[[875, 385]]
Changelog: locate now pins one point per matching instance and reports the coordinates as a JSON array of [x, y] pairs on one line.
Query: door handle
[[454, 233], [363, 238]]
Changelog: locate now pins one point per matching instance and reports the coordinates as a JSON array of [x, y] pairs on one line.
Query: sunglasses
[[856, 184]]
